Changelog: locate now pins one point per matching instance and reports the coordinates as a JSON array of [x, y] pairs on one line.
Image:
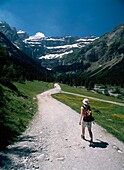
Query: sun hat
[[86, 101]]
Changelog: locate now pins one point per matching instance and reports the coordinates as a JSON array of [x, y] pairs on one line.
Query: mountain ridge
[[44, 48]]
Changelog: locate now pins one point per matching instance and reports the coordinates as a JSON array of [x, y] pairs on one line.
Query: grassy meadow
[[31, 88], [85, 92], [109, 116]]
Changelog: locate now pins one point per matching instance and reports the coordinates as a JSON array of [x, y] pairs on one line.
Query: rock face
[[56, 47], [44, 48], [9, 32], [22, 34], [15, 37]]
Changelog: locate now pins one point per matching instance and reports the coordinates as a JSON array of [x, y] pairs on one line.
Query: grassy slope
[[18, 108], [109, 116]]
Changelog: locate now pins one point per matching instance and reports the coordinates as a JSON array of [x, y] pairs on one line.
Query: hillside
[[102, 61], [17, 108], [17, 105], [22, 66]]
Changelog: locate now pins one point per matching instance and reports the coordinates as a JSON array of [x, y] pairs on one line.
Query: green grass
[[17, 108], [31, 88], [109, 116], [85, 92]]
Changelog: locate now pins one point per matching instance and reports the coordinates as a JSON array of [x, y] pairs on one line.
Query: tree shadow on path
[[6, 156]]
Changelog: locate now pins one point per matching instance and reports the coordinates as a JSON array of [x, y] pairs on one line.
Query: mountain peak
[[38, 35], [21, 32]]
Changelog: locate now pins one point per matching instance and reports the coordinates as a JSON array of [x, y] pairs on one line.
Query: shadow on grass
[[6, 156]]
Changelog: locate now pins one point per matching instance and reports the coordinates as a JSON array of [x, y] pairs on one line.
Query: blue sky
[[63, 17]]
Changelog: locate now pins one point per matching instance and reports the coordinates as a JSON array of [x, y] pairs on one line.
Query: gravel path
[[52, 142]]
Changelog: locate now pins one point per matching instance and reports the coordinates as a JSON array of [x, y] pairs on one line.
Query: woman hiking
[[86, 119]]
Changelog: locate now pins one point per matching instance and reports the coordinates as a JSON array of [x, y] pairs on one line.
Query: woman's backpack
[[87, 114]]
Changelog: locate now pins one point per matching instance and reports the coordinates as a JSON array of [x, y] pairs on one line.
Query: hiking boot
[[91, 143], [83, 137]]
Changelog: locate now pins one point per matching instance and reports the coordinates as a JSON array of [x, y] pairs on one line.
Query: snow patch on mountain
[[21, 32], [53, 56], [33, 42], [55, 39], [55, 47], [87, 39], [37, 36], [64, 46]]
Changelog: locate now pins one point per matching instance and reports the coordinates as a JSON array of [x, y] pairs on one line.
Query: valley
[[75, 60], [96, 63], [53, 55]]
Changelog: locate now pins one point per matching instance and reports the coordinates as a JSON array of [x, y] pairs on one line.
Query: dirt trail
[[52, 142]]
